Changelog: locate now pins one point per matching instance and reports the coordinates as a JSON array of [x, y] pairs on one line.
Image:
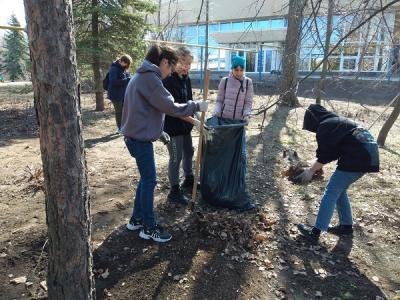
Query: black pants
[[118, 112]]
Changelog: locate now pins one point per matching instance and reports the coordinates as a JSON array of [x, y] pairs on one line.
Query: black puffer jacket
[[342, 139]]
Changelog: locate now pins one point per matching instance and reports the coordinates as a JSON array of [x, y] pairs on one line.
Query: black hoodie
[[341, 139], [181, 89]]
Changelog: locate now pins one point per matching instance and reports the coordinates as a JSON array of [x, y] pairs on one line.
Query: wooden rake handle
[[199, 147]]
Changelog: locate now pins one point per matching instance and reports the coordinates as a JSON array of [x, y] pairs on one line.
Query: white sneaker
[[134, 225], [157, 234]]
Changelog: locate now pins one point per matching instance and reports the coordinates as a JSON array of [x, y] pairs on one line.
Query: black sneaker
[[341, 229], [176, 196], [310, 233], [156, 233], [187, 184], [134, 224]]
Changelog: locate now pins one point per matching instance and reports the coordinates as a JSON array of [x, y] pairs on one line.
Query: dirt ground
[[218, 254]]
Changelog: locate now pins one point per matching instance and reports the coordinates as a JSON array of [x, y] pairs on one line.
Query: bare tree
[[56, 92], [289, 79], [389, 122], [321, 83]]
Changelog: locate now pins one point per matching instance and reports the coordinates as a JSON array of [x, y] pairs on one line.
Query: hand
[[202, 106], [164, 137], [196, 123], [305, 176], [246, 118]]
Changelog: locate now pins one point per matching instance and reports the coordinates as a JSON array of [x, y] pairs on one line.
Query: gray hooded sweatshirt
[[146, 102]]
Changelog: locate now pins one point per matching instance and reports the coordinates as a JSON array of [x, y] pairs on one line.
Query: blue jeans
[[336, 196], [143, 153]]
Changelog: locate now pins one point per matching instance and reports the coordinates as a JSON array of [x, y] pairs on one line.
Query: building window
[[263, 24], [213, 28], [278, 23], [316, 60], [226, 27], [250, 61], [249, 25], [268, 60], [333, 63], [191, 31], [202, 30], [349, 64], [304, 64], [368, 64], [237, 26]]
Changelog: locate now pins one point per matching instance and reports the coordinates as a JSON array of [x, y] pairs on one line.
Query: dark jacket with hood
[[342, 139], [146, 103], [118, 80], [181, 89]]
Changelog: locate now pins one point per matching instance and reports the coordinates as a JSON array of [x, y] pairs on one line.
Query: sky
[[7, 8]]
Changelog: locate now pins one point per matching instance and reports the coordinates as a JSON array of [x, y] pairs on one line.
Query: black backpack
[[106, 81]]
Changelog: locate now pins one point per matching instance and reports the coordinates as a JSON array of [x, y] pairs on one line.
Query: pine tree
[[16, 52], [56, 93], [105, 29]]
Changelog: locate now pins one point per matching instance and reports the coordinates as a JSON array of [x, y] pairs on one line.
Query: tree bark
[[55, 85], [289, 78], [96, 65], [389, 123], [321, 83]]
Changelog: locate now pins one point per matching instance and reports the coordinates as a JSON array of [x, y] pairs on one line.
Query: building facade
[[258, 29]]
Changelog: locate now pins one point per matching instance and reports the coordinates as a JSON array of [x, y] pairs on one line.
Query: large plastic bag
[[223, 164]]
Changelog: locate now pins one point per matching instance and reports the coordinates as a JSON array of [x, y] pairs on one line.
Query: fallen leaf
[[107, 293], [105, 274], [43, 285], [260, 237], [375, 278], [18, 280]]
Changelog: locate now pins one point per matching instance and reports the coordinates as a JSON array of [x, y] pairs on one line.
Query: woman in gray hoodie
[[145, 104]]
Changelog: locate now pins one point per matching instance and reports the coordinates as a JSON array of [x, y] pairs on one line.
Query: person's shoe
[[188, 183], [156, 233], [247, 207], [310, 233], [134, 224], [176, 196], [341, 229]]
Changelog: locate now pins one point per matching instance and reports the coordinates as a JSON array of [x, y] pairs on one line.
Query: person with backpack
[[235, 93], [180, 148], [235, 99], [356, 152], [146, 103], [116, 82]]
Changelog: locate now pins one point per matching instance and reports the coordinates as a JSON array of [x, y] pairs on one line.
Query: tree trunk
[[96, 66], [321, 83], [389, 123], [55, 85], [289, 78]]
